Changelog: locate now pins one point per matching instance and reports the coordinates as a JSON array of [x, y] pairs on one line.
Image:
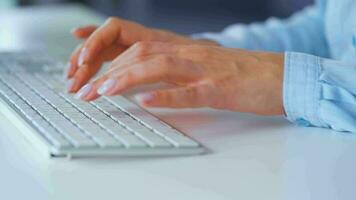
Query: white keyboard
[[65, 126]]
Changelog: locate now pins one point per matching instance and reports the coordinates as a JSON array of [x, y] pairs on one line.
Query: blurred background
[[44, 25], [184, 16]]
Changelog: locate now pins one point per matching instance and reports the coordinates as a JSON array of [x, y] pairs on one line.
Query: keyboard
[[32, 96]]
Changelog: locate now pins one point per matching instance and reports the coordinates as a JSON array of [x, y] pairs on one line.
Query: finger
[[155, 70], [82, 76], [141, 50], [158, 69], [114, 31], [108, 54], [84, 73], [83, 32], [185, 97], [101, 38], [72, 65], [89, 91]]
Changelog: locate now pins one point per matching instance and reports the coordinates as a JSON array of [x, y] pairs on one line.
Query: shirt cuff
[[301, 89]]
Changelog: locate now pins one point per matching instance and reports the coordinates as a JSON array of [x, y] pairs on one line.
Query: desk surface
[[251, 157]]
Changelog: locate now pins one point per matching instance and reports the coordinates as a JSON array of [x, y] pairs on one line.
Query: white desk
[[251, 157]]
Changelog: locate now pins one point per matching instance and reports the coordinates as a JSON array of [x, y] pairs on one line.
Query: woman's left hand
[[204, 76]]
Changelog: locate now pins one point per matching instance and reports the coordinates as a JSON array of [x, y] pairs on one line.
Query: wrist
[[275, 63]]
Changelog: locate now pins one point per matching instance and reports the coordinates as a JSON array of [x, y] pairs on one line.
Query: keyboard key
[[69, 130], [129, 139], [50, 133], [99, 135], [134, 126]]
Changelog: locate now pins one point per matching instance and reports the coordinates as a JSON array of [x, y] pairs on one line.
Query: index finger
[[158, 69], [113, 31]]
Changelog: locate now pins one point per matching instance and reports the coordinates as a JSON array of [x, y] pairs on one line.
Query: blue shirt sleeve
[[302, 32], [320, 92], [317, 91]]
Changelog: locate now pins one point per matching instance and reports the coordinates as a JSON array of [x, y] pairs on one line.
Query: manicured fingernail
[[106, 86], [82, 56], [84, 91], [70, 84], [145, 97], [66, 71]]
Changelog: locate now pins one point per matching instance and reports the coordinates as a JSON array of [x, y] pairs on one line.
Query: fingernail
[[145, 97], [106, 86], [82, 56], [66, 71], [70, 84], [84, 91]]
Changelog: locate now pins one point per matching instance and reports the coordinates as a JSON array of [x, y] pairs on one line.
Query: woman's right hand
[[106, 42]]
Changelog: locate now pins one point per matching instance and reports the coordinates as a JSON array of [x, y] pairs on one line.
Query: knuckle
[[165, 60], [191, 95], [129, 76], [192, 92], [141, 48], [206, 89], [198, 51], [199, 90], [141, 71], [86, 70], [163, 65], [201, 93]]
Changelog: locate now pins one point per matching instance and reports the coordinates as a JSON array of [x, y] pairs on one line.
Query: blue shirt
[[320, 60]]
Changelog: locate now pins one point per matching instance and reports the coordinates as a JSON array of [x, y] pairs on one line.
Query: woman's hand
[[106, 43], [204, 76]]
